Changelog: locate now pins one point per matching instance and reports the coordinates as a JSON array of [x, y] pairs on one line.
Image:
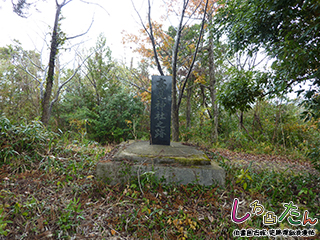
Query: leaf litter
[[64, 200]]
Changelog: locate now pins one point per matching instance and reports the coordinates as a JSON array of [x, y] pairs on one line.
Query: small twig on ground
[[139, 176]]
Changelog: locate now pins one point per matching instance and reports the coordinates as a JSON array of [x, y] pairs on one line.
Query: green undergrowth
[[55, 195]]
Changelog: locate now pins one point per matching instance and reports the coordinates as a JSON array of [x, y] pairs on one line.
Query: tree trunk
[[256, 120], [241, 120], [46, 109], [175, 102], [212, 77], [153, 41], [215, 117], [174, 105], [242, 126], [276, 124], [188, 111], [175, 118], [203, 107], [188, 108]]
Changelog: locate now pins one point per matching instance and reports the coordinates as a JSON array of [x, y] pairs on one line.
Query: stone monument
[[160, 117], [175, 162]]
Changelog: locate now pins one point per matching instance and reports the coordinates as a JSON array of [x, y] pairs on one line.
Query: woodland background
[[249, 58], [246, 79]]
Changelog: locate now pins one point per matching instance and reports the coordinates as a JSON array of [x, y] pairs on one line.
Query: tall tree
[[19, 96], [57, 39], [287, 30], [212, 72], [176, 99], [98, 101], [99, 68]]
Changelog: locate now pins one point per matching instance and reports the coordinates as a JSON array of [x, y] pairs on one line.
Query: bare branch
[[245, 62], [133, 84], [80, 35], [65, 2], [29, 73], [194, 11], [194, 55], [150, 34], [153, 42], [261, 60], [69, 79], [32, 62], [176, 45], [144, 27], [95, 4]]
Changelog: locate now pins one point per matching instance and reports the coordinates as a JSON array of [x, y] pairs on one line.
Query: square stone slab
[[176, 163], [142, 151]]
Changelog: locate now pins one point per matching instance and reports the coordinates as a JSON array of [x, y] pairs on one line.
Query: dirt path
[[264, 161]]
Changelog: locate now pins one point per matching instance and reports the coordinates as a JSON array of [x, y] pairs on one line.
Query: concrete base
[[177, 163]]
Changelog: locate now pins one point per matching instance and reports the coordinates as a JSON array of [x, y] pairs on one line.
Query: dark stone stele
[[160, 118]]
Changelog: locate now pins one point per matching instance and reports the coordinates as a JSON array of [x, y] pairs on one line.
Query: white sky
[[112, 19]]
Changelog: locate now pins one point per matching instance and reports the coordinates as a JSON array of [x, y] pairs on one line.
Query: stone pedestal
[[176, 163]]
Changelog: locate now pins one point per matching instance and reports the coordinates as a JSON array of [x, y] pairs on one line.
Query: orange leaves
[[183, 225], [142, 41], [200, 78], [129, 37], [195, 8], [212, 6], [113, 232], [146, 96]]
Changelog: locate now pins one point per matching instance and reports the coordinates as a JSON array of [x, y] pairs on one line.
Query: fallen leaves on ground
[[62, 199], [264, 161]]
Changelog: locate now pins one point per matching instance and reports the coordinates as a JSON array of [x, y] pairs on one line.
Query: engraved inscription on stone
[[161, 110]]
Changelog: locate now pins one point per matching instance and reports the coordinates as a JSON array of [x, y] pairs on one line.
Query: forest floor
[[59, 198], [262, 162]]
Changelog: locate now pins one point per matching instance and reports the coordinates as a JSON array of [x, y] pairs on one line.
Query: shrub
[[26, 142]]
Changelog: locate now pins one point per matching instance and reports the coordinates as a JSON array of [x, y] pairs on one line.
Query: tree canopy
[[287, 30]]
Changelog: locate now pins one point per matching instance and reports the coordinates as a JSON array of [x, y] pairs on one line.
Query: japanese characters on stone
[[161, 110]]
